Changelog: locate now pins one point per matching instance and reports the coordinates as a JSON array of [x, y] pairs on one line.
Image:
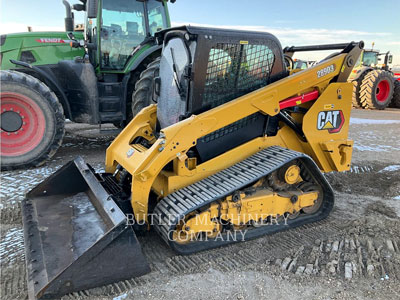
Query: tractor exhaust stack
[[69, 19]]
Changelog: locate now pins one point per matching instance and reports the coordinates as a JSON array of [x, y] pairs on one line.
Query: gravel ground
[[353, 254]]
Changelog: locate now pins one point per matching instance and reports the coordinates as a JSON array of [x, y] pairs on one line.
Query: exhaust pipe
[[69, 20]]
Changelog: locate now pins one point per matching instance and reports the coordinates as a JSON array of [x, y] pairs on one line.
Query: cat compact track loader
[[237, 141]]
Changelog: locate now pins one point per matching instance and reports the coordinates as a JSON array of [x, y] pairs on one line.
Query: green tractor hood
[[37, 48]]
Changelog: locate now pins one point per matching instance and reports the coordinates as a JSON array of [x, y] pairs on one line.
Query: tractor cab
[[123, 26], [115, 28], [371, 58]]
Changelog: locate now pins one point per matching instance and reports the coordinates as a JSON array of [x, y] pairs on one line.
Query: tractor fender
[[139, 61], [3, 39], [81, 83], [361, 71], [142, 57], [51, 81]]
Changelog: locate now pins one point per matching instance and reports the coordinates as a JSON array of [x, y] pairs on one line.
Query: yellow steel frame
[[331, 151]]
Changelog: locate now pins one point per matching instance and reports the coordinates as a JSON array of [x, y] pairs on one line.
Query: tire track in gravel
[[239, 256], [290, 252], [348, 255], [165, 262]]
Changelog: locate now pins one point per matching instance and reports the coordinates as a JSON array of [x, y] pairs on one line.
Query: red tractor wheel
[[31, 120], [396, 95], [376, 90]]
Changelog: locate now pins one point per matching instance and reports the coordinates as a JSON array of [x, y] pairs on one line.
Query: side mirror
[[78, 7], [91, 8], [390, 59], [71, 36]]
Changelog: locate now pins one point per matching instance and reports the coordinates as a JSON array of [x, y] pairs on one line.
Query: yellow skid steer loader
[[237, 140]]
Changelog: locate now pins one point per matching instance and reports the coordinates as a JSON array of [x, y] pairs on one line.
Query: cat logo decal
[[331, 120]]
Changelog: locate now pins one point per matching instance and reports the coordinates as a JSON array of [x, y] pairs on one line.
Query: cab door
[[123, 27]]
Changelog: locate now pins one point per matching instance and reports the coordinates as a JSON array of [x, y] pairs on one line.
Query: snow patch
[[121, 297], [360, 169], [374, 148], [15, 184], [390, 168], [359, 121], [12, 245]]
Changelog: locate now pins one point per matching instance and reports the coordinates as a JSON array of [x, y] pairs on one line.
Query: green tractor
[[102, 75], [373, 82]]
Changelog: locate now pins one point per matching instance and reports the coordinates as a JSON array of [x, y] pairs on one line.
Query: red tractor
[[396, 93], [373, 82]]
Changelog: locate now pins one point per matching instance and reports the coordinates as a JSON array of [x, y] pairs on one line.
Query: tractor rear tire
[[32, 121], [376, 90], [143, 94], [396, 95], [356, 90]]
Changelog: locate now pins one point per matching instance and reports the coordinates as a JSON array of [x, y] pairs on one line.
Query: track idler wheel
[[308, 187], [283, 178], [293, 215]]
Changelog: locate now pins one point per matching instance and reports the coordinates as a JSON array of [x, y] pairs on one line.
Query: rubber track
[[173, 208]]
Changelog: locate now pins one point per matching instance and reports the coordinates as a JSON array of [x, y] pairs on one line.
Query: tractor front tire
[[376, 90], [143, 94], [396, 95], [32, 121], [356, 90]]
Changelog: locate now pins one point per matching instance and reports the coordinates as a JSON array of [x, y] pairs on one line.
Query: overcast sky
[[294, 22]]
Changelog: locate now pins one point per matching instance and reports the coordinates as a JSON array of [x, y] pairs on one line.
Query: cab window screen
[[234, 70]]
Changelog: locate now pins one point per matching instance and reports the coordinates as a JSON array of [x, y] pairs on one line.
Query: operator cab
[[124, 26], [118, 41], [203, 68], [370, 58]]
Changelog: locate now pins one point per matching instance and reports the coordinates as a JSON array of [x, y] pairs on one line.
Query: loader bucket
[[76, 236]]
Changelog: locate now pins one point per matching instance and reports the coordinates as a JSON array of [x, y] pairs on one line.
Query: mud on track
[[354, 253]]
